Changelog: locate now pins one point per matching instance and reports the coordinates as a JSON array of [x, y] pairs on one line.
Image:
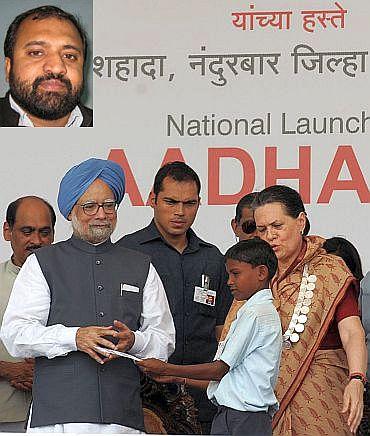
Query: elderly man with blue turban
[[82, 295]]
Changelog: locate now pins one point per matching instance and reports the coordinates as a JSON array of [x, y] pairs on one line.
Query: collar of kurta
[[261, 296], [91, 248], [11, 268]]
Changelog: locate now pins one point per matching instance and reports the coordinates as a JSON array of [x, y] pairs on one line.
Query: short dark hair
[[39, 14], [256, 252], [287, 197], [178, 171], [245, 201], [11, 211], [347, 251]]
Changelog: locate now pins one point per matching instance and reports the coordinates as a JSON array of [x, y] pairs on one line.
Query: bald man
[[29, 225], [88, 293]]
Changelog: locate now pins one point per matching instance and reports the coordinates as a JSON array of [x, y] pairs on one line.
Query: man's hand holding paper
[[88, 338]]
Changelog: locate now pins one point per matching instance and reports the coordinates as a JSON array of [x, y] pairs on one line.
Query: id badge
[[204, 296]]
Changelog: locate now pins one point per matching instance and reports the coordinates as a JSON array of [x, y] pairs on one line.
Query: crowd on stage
[[103, 337]]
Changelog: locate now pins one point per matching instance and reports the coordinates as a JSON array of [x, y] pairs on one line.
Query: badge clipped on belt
[[204, 295]]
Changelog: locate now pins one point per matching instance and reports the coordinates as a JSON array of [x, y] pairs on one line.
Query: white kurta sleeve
[[24, 330], [156, 335]]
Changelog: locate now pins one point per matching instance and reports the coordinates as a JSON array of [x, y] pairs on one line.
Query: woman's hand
[[352, 336], [353, 403]]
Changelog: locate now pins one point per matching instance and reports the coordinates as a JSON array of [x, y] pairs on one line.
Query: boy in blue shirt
[[244, 371]]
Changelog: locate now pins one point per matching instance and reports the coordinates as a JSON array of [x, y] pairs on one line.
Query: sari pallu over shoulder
[[333, 280]]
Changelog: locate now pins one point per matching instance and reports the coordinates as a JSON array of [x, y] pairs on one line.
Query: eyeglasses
[[92, 207], [249, 227]]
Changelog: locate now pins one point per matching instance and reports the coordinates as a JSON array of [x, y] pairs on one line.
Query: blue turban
[[80, 177]]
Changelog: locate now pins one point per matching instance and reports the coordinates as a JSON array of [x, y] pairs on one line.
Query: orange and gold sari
[[311, 381], [231, 315]]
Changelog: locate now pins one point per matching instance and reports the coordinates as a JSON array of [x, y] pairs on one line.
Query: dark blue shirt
[[180, 272]]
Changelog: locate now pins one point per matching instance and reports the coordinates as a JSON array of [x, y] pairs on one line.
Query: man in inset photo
[[45, 51]]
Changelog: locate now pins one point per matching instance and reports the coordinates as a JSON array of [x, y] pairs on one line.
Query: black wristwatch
[[358, 376]]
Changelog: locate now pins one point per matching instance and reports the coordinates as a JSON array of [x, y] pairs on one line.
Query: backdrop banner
[[249, 94]]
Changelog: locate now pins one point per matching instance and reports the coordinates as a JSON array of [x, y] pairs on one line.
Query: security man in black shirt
[[192, 271]]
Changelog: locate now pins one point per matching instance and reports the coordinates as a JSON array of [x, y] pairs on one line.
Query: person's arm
[[199, 384], [353, 339], [156, 335], [204, 371], [24, 331]]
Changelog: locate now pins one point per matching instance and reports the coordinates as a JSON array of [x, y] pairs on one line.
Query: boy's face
[[244, 279]]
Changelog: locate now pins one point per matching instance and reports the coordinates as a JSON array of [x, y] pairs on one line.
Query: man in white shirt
[[29, 225], [88, 293]]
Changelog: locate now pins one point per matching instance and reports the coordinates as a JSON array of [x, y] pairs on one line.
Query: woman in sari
[[322, 372]]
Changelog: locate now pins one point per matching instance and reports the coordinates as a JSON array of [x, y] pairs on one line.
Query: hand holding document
[[106, 351], [154, 367]]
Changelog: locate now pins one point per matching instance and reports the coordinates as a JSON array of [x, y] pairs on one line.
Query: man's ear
[[152, 200], [8, 65], [234, 225], [7, 232]]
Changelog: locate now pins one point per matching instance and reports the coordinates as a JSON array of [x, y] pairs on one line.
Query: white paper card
[[118, 353], [129, 288]]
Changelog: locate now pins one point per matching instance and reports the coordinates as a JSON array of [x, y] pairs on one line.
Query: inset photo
[[45, 80]]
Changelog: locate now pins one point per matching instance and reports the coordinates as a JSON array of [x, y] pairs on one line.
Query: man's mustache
[[100, 223], [33, 247], [52, 76]]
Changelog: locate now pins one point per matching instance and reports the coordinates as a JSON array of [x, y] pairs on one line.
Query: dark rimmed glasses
[[92, 207], [249, 227]]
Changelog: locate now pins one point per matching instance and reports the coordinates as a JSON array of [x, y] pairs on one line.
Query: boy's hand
[[168, 379], [152, 366]]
